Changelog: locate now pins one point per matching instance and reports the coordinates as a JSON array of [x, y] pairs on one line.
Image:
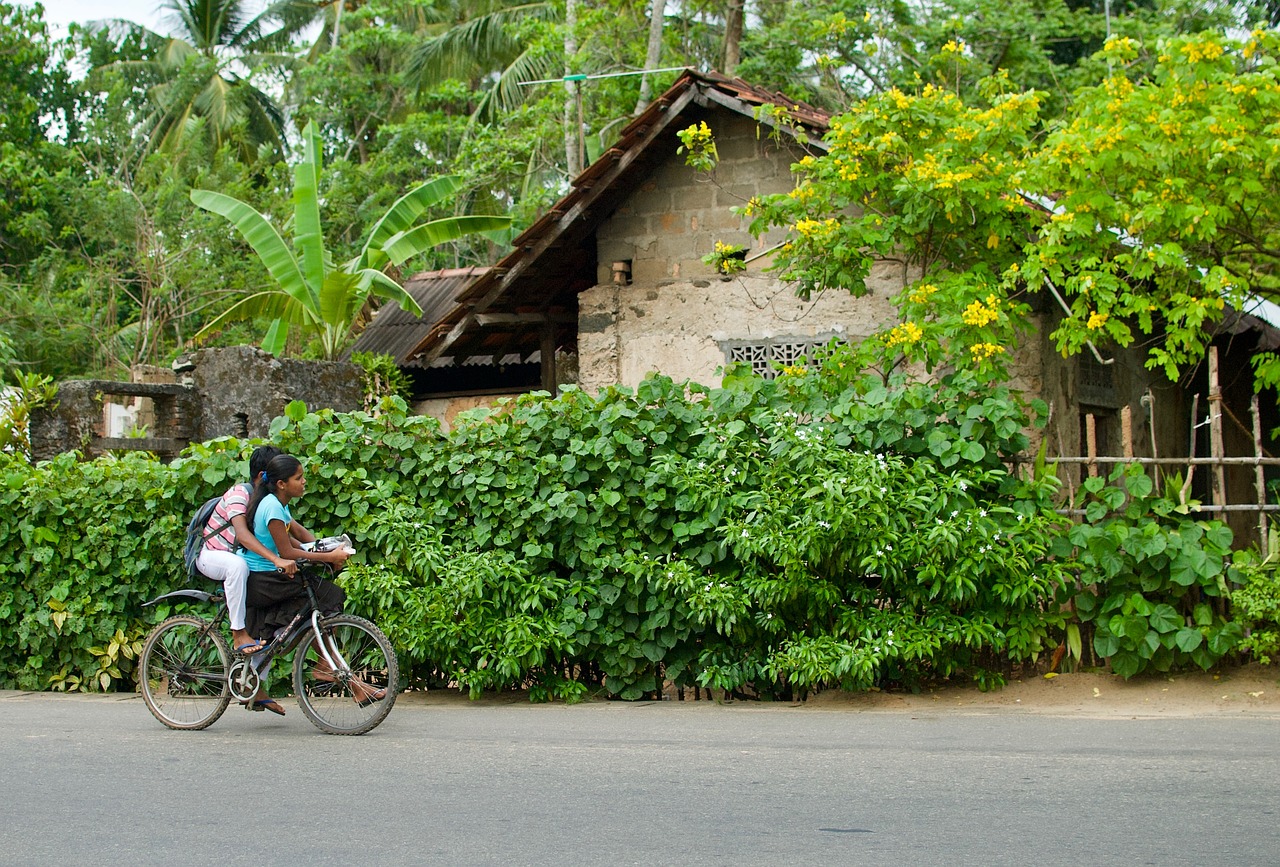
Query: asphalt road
[[96, 780]]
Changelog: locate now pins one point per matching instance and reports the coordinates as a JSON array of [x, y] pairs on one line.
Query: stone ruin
[[236, 391]]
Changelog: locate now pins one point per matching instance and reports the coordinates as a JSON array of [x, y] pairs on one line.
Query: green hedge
[[825, 529]]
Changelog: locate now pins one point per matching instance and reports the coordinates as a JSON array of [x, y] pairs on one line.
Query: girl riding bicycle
[[272, 597]]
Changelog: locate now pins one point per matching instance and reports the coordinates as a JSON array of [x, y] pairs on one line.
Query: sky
[[63, 12]]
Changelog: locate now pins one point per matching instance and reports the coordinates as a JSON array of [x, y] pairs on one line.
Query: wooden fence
[[1216, 462]]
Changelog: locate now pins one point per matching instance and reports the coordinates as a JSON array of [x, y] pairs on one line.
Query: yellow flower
[[922, 293], [1096, 320], [978, 315], [982, 351], [906, 334]]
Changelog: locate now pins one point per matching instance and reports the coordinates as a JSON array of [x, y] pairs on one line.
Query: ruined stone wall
[[78, 421], [235, 391], [242, 389]]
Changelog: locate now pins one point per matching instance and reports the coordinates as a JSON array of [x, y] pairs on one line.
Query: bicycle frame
[[290, 635], [286, 638]]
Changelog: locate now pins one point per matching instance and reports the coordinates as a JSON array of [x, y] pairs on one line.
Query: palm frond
[[422, 238], [473, 47]]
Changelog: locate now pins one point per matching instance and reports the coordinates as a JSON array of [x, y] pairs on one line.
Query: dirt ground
[[1252, 690]]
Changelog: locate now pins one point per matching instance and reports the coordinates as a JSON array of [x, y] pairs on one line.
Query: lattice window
[[1096, 381], [762, 354]]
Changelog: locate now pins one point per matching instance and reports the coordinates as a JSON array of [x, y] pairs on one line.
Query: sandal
[[262, 704], [373, 698]]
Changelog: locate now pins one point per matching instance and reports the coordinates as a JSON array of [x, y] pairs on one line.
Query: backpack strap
[[209, 534]]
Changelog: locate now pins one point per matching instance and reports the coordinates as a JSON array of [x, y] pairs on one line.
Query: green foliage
[[741, 538], [30, 391], [1153, 582], [381, 377], [829, 528], [84, 544], [1257, 603], [311, 292]]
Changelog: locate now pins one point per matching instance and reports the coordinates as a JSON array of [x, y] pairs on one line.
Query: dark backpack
[[196, 534]]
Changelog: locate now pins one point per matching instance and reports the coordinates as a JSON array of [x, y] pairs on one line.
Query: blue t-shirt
[[270, 509]]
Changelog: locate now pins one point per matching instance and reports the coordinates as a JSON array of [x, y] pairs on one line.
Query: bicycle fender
[[192, 594]]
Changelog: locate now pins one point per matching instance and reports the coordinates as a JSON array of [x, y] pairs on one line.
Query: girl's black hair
[[258, 461], [278, 469]]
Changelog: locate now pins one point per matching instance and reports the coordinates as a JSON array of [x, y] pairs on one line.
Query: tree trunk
[[653, 54], [572, 97], [732, 36]]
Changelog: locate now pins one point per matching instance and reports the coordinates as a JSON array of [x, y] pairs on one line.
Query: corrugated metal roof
[[395, 332]]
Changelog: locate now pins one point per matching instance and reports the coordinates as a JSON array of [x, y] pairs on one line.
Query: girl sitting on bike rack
[[228, 529], [272, 597]]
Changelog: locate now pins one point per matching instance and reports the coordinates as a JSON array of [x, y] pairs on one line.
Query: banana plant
[[312, 292]]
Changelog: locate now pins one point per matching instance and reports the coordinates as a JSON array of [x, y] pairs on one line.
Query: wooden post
[[1259, 477], [1126, 429], [1215, 430], [1091, 442], [547, 350]]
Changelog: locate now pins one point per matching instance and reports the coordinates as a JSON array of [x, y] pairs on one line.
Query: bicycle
[[188, 676]]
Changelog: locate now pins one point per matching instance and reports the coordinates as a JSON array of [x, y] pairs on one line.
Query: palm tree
[[204, 72], [480, 45], [312, 292]]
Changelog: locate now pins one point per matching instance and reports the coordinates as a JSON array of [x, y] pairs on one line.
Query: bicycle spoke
[[332, 698], [183, 673]]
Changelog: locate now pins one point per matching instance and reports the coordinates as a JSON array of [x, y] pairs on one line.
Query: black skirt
[[271, 599]]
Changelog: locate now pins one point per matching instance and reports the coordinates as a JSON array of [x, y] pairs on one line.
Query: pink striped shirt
[[234, 502]]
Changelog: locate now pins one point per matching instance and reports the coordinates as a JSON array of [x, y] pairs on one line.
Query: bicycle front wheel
[[352, 688], [183, 673]]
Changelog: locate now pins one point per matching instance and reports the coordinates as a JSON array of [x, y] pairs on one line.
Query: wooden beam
[[449, 339], [489, 320]]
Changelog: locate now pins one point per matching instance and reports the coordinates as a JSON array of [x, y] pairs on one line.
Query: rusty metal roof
[[530, 296], [395, 332]]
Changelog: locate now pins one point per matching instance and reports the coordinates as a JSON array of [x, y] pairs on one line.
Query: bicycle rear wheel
[[359, 692], [183, 673]]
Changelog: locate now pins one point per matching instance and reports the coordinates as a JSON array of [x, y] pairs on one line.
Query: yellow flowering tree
[[1149, 207], [1164, 186], [929, 181]]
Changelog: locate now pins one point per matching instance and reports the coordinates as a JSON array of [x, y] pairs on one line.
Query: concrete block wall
[[677, 214]]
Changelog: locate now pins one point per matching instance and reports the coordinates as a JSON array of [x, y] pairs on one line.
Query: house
[[612, 276], [611, 281]]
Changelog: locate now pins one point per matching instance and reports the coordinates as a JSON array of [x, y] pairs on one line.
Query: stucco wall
[[680, 327]]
